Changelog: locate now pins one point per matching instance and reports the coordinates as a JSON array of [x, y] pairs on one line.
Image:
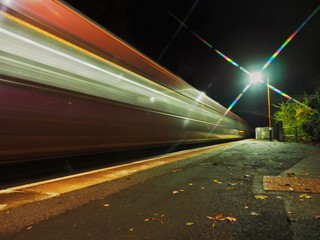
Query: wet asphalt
[[217, 195]]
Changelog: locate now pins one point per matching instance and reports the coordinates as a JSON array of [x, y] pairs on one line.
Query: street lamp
[[256, 77], [269, 111]]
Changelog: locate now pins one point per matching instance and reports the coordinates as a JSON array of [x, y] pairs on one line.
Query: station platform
[[217, 192]]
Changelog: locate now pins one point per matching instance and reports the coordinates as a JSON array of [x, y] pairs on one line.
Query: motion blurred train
[[68, 86]]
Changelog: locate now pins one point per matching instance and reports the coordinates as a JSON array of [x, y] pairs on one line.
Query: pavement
[[216, 194]]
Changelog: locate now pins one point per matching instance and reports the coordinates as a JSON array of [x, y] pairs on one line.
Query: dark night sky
[[247, 31]]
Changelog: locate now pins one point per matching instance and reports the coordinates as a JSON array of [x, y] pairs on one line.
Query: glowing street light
[[256, 77]]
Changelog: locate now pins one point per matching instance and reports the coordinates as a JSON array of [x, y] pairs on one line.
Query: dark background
[[247, 31]]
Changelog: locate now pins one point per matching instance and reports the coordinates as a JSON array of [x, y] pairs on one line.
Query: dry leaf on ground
[[231, 219], [216, 181], [263, 197], [219, 217], [304, 196], [153, 219], [254, 214]]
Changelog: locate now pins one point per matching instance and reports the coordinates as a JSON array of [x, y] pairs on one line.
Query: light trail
[[84, 63]]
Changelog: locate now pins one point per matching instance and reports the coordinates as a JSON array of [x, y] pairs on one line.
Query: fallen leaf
[[263, 197], [235, 183], [304, 196], [213, 219], [153, 219], [175, 192], [219, 216], [190, 184], [231, 219], [107, 205], [216, 181], [232, 184], [131, 229], [189, 223], [254, 214]]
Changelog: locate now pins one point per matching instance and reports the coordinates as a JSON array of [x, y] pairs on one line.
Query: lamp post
[[269, 111], [256, 78]]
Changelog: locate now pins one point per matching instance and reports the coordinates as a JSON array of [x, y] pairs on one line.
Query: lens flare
[[242, 68], [290, 38], [237, 99], [230, 107], [290, 98], [203, 40]]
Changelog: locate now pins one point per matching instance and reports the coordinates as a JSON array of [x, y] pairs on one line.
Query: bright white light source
[[256, 77]]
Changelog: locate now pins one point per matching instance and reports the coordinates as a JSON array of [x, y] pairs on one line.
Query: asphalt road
[[217, 195]]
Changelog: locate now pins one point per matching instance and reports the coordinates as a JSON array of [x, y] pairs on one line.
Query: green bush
[[295, 116]]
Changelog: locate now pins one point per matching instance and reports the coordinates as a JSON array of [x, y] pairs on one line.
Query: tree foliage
[[299, 119], [311, 125]]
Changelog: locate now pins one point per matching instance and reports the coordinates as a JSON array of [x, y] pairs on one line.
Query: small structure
[[263, 133]]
